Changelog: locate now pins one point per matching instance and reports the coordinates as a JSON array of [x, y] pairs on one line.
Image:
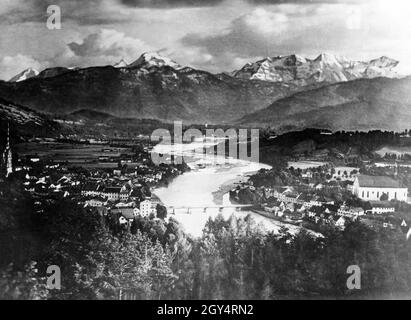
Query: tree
[[161, 211], [24, 284]]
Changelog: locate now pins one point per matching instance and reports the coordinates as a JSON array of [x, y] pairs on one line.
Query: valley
[[327, 92]]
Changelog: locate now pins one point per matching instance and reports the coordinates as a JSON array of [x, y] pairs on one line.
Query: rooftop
[[112, 190], [381, 204], [127, 213], [378, 182]]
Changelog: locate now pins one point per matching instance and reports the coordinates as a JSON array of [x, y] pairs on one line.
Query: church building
[[7, 159], [372, 188]]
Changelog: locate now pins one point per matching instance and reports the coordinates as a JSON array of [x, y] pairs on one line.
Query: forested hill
[[365, 104], [156, 260]]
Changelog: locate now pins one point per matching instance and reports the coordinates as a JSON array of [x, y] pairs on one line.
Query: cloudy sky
[[214, 35]]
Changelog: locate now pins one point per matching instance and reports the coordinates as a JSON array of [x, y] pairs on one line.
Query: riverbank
[[292, 228], [205, 187]]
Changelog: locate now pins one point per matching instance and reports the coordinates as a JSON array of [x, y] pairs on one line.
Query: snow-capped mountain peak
[[327, 57], [384, 62], [293, 59], [121, 64], [324, 68], [24, 75], [153, 59]]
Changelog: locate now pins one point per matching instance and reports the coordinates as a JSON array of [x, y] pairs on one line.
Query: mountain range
[[325, 68], [151, 87], [287, 92]]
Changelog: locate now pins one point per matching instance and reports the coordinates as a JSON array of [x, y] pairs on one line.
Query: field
[[305, 164], [86, 155], [394, 150]]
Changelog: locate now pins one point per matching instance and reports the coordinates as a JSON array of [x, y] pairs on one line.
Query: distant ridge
[[325, 68], [363, 104], [92, 115]]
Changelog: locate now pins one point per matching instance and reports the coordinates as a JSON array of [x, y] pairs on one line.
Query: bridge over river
[[190, 209]]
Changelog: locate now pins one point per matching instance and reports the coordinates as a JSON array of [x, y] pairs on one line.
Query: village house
[[131, 204], [111, 193], [92, 190], [372, 188], [128, 213], [340, 223], [381, 207], [275, 207], [315, 202], [350, 212], [125, 216], [319, 186], [269, 192], [310, 214], [307, 175], [124, 195], [287, 195], [272, 209], [95, 202], [314, 211], [405, 228], [145, 208]]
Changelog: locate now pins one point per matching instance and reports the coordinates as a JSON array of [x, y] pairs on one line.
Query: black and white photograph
[[178, 151]]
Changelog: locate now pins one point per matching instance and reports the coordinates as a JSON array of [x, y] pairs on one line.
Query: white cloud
[[263, 21], [6, 6], [216, 38], [356, 30], [109, 44], [10, 66], [191, 56]]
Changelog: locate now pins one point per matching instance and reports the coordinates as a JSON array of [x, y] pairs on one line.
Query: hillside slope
[[24, 121], [364, 104]]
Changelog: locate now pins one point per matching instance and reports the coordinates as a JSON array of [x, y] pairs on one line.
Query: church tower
[[7, 156]]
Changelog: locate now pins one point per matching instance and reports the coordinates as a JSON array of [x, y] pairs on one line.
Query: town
[[318, 188], [115, 181], [341, 193], [313, 188]]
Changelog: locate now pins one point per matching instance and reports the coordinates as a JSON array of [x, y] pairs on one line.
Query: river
[[209, 187]]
